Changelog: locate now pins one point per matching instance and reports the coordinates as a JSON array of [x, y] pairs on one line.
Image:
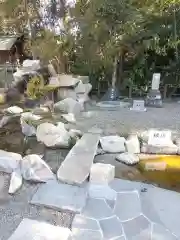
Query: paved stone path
[[130, 211], [124, 210]]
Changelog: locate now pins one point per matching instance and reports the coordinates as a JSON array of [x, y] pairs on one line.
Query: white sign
[[160, 138], [138, 105], [155, 81], [155, 166]]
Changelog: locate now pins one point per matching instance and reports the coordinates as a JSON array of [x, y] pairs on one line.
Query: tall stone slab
[[76, 166], [154, 98]]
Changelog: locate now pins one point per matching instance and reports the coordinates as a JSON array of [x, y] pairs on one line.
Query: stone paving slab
[[136, 213], [127, 205], [138, 228], [61, 196], [97, 209], [31, 229], [83, 234], [102, 191], [111, 227], [79, 160], [120, 185], [82, 222], [160, 233], [166, 205]]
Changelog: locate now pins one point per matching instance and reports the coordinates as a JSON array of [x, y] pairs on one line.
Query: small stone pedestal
[[154, 98], [112, 94]]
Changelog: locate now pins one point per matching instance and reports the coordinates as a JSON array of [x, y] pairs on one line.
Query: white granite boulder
[[177, 142], [15, 182], [128, 158], [155, 149], [83, 91], [32, 229], [68, 105], [42, 110], [102, 173], [133, 144], [9, 161], [33, 168], [113, 144], [66, 80], [14, 110], [64, 93], [53, 136], [4, 120], [69, 117], [26, 121], [75, 134], [31, 64]]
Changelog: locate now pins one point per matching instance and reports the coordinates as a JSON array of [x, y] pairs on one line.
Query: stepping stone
[[82, 222], [127, 205], [31, 229], [101, 191], [111, 227], [76, 166], [97, 209], [61, 196], [160, 233], [137, 229], [83, 234]]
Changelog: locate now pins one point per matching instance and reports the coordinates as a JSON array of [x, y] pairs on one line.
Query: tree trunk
[[114, 76], [120, 70]]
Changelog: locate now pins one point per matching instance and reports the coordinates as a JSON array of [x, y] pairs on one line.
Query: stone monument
[[154, 98], [138, 105]]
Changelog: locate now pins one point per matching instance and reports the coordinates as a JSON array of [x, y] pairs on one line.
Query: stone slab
[[121, 185], [101, 191], [82, 222], [166, 204], [155, 81], [61, 196], [76, 166], [83, 234], [148, 209], [31, 229], [127, 205], [138, 228], [119, 238], [160, 233], [97, 209], [111, 227]]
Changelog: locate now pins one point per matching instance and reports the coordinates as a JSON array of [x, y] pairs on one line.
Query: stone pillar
[[154, 98]]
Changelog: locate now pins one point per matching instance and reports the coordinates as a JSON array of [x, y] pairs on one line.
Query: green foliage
[[143, 35]]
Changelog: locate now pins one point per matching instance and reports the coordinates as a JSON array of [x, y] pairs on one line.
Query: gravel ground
[[123, 121], [14, 208]]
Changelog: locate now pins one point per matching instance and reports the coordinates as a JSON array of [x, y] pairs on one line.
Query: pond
[[12, 140]]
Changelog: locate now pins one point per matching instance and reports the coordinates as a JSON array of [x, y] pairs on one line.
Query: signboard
[[159, 138], [155, 166], [138, 105]]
